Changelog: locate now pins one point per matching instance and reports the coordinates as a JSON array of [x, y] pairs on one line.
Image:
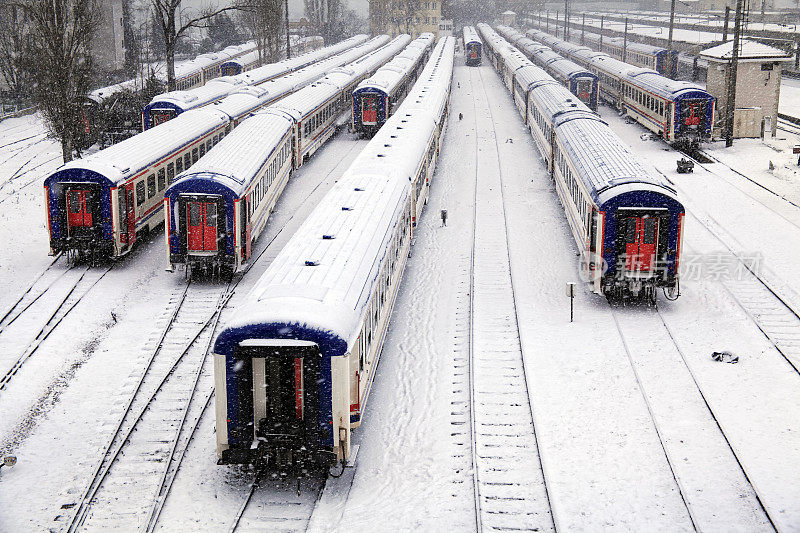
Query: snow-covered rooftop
[[748, 50]]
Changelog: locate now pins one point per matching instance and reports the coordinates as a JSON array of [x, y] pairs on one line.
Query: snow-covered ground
[[637, 428]]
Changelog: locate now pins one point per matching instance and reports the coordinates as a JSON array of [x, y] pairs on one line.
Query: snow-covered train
[[377, 98], [251, 60], [99, 206], [293, 368], [680, 112], [168, 105], [218, 208], [473, 47], [626, 220], [574, 77]]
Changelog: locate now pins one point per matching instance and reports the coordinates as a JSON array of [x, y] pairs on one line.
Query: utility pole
[[566, 20], [625, 43], [671, 27], [583, 29], [286, 20], [730, 100], [601, 32], [725, 27]]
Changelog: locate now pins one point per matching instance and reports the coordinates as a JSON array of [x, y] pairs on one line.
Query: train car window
[[208, 145], [216, 140], [194, 156], [187, 161], [74, 202], [170, 173], [194, 214], [140, 193], [162, 179], [202, 149], [151, 185], [179, 165], [649, 231], [211, 214]]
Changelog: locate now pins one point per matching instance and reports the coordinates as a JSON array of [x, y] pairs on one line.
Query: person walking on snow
[[444, 217]]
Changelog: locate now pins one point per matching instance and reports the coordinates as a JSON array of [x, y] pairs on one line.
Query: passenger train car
[[218, 208], [171, 104], [580, 81], [99, 206], [626, 220], [293, 368], [640, 54], [473, 47], [680, 112], [376, 98], [251, 60]]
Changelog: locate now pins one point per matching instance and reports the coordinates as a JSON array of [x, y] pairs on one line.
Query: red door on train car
[[641, 234], [201, 218], [79, 210], [369, 110], [693, 112]]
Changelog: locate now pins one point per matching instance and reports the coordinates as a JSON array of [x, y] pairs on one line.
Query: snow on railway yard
[[630, 423]]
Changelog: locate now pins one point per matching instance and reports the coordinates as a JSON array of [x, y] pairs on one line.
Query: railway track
[[166, 404], [509, 484], [156, 426], [687, 453], [278, 504], [39, 311], [751, 180], [770, 304]]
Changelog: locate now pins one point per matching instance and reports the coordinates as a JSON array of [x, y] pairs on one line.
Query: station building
[[758, 85]]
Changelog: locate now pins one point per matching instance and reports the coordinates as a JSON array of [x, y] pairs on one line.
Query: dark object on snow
[[685, 165], [725, 357], [460, 116], [444, 217]]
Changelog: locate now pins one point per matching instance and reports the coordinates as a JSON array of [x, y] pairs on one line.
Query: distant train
[[251, 60], [168, 105], [626, 220], [376, 98], [473, 47], [580, 81], [219, 207], [101, 205], [680, 112], [294, 366], [105, 111]]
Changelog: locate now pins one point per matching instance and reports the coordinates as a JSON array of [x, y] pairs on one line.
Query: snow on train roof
[[602, 160], [388, 76], [433, 85], [555, 99], [322, 279], [615, 67], [533, 75], [663, 86], [127, 158], [471, 35], [547, 56], [239, 156], [198, 96], [567, 68], [243, 60], [515, 59], [248, 99]]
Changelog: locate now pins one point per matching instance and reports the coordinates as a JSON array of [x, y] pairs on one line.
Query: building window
[[766, 66]]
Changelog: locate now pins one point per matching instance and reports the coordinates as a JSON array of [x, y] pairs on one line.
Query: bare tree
[[58, 61], [264, 19], [379, 16], [326, 16], [12, 44], [173, 24]]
